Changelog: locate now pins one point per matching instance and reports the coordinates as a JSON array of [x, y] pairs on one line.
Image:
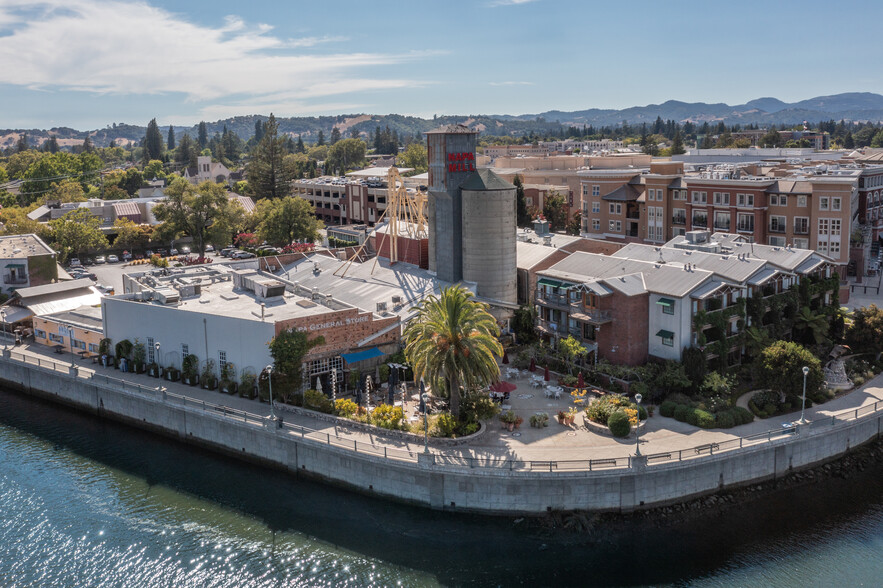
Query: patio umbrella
[[503, 387], [546, 375], [579, 381], [505, 357], [359, 392], [422, 401], [319, 384], [533, 365]]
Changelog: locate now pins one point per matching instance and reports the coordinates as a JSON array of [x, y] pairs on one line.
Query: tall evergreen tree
[[187, 152], [202, 137], [52, 144], [320, 139], [87, 145], [153, 143], [354, 133], [258, 131], [335, 135], [266, 174], [677, 144], [300, 147], [522, 215], [22, 143], [170, 142]]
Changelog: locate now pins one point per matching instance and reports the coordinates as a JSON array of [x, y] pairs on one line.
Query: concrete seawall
[[432, 481]]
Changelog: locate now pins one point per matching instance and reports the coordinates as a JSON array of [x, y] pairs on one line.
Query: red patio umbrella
[[579, 381], [533, 365], [505, 357], [546, 375], [503, 387]]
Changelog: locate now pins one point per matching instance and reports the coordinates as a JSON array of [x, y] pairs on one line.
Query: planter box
[[190, 380], [153, 372], [209, 384], [172, 376], [229, 387]]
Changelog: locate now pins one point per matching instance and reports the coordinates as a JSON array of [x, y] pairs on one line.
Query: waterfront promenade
[[555, 443]]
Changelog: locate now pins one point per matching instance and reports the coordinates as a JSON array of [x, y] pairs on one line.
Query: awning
[[666, 302], [370, 353], [548, 282], [15, 265], [665, 334]]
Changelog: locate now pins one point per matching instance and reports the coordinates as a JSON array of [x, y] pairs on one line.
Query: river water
[[87, 502]]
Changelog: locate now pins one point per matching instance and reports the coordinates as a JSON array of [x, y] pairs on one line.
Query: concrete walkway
[[553, 443]]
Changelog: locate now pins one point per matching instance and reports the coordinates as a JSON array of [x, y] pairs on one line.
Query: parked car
[[127, 256], [100, 259], [113, 259], [149, 253], [184, 250], [242, 255], [75, 262], [173, 251], [226, 251], [162, 252], [104, 288], [209, 248]]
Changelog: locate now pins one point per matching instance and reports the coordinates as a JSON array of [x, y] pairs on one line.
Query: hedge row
[[704, 419]]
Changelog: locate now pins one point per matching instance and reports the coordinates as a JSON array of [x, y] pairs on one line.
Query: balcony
[[591, 315], [745, 228], [700, 222], [561, 301], [721, 226], [10, 279], [679, 220]]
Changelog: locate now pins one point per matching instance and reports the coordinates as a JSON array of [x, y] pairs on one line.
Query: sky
[[89, 63]]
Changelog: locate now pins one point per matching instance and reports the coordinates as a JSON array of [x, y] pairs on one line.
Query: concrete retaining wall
[[408, 477]]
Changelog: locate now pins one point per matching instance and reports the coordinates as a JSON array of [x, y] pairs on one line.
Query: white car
[[209, 248], [100, 259], [113, 259], [185, 250]]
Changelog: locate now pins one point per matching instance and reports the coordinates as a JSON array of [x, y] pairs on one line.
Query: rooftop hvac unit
[[381, 307], [396, 299]]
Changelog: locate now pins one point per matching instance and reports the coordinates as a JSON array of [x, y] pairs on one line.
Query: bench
[[602, 462], [707, 448], [546, 465], [659, 457]]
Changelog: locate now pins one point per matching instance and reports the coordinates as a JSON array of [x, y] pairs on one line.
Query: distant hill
[[851, 106]]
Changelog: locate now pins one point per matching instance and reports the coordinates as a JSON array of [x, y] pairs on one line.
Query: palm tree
[[453, 342], [811, 325], [756, 340]]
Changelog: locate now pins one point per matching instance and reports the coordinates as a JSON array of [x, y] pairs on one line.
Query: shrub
[[680, 398], [345, 407], [388, 417], [682, 413], [539, 420], [742, 415], [725, 420], [769, 409], [189, 365], [315, 400], [447, 424], [819, 398], [468, 429], [599, 410], [667, 409], [702, 419], [761, 399], [618, 423]]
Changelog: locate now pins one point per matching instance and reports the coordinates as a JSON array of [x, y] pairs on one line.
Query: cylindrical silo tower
[[489, 235]]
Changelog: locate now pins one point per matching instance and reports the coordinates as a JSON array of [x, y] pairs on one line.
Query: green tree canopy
[[76, 233], [283, 220], [130, 235], [346, 154], [202, 212], [555, 211], [781, 366], [288, 349], [153, 143], [266, 174], [414, 156], [865, 334], [571, 349], [452, 343]]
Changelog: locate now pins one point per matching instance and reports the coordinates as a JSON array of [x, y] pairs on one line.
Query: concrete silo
[[489, 235]]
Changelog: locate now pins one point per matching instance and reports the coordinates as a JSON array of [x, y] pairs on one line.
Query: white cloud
[[132, 48], [511, 83]]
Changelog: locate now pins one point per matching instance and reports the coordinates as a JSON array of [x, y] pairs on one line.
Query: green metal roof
[[665, 334], [548, 282], [666, 302]]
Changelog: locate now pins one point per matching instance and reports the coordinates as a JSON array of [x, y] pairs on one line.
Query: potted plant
[[539, 420], [247, 383], [173, 374], [509, 418], [153, 370], [228, 373], [566, 417], [123, 351], [209, 380], [189, 365], [139, 356]]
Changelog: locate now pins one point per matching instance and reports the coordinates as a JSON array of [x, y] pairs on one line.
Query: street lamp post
[[70, 336], [803, 403], [334, 386], [269, 370], [638, 399], [156, 347], [3, 316], [425, 423]]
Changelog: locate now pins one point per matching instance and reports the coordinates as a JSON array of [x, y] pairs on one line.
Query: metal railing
[[446, 459]]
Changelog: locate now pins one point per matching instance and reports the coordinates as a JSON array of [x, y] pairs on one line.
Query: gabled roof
[[726, 266], [25, 293], [789, 186], [485, 179], [625, 193]]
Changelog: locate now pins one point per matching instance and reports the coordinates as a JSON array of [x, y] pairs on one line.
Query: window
[[722, 198], [585, 190], [834, 251], [700, 197], [668, 338], [596, 190], [835, 226], [222, 359], [801, 225], [651, 194], [615, 208], [823, 203], [783, 200], [835, 203], [151, 358], [801, 243], [78, 344], [679, 216], [823, 226], [56, 338], [744, 199], [777, 224], [93, 348], [745, 223], [39, 334], [185, 350], [615, 226], [801, 201], [722, 221], [777, 241], [700, 218], [596, 224], [667, 304], [596, 207]]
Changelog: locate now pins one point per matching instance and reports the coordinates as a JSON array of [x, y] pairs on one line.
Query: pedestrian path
[[555, 442]]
